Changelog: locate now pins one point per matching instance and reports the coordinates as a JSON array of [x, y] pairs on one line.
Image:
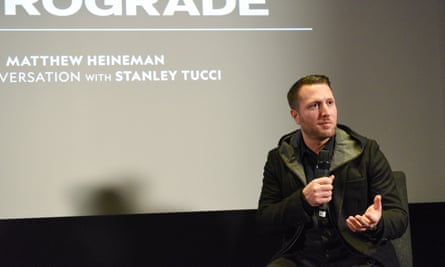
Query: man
[[339, 214]]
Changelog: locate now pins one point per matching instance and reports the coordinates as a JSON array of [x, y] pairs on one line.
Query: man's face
[[317, 112]]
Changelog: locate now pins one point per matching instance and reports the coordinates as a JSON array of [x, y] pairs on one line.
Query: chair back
[[403, 244]]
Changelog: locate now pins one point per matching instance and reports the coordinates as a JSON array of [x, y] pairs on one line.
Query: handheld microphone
[[322, 170]]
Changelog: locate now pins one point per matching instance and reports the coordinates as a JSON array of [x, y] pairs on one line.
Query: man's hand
[[369, 220], [319, 191]]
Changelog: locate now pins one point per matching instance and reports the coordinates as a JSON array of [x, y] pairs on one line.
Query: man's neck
[[315, 145]]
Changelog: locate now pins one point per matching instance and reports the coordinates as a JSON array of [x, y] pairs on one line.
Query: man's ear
[[294, 114]]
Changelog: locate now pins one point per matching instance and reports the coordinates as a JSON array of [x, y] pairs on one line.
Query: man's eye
[[315, 105]]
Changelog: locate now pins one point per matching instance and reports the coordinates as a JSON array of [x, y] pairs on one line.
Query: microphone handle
[[322, 170], [323, 209]]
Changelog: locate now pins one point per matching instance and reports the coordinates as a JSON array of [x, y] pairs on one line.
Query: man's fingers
[[324, 180], [354, 224], [365, 222], [360, 223]]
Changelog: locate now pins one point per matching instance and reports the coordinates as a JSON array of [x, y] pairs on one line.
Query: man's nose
[[324, 109]]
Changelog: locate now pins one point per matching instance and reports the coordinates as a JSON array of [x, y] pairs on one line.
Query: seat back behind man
[[403, 245]]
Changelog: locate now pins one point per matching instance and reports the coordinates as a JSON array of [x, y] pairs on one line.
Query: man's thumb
[[378, 202]]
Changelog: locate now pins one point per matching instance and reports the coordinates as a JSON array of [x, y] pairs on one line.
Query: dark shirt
[[310, 159], [321, 241]]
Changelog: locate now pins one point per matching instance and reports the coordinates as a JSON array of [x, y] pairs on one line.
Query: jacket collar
[[348, 145]]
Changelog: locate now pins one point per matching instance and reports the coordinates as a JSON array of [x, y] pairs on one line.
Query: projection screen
[[127, 106]]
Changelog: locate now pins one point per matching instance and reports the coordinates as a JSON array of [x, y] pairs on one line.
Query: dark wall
[[220, 238]]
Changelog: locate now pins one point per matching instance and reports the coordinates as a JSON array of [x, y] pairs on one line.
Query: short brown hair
[[292, 95]]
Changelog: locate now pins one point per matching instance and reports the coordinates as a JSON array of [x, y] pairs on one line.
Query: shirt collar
[[305, 150]]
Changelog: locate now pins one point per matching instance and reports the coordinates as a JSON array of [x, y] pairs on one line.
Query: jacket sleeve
[[281, 205], [381, 181]]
